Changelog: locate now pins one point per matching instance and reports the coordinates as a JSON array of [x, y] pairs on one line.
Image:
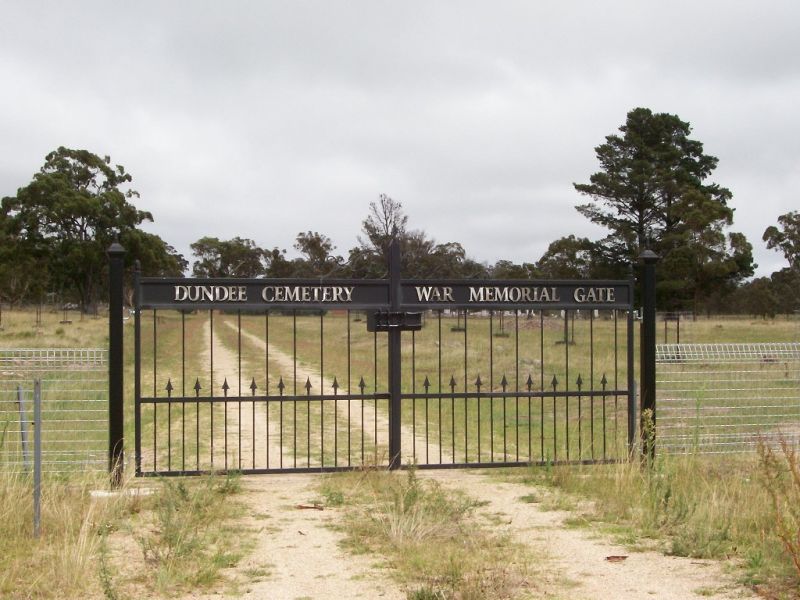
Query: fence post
[[23, 429], [395, 389], [647, 341], [116, 262], [37, 457]]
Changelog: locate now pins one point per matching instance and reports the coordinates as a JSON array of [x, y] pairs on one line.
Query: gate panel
[[263, 376], [492, 388], [257, 393]]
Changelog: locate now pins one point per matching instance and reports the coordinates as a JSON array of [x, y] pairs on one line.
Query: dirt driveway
[[298, 557]]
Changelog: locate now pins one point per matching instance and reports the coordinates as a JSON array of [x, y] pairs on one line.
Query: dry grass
[[122, 545], [696, 506], [438, 547]]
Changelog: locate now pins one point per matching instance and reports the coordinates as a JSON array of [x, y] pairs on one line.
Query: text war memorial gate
[[281, 375]]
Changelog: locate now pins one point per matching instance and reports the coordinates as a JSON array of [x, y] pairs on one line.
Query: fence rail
[[719, 398], [74, 392]]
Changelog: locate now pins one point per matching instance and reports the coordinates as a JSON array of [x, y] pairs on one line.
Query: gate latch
[[386, 320]]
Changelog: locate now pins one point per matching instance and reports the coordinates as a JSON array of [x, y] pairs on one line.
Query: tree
[[156, 257], [23, 270], [787, 238], [317, 250], [238, 257], [69, 214], [567, 258], [384, 222], [651, 192]]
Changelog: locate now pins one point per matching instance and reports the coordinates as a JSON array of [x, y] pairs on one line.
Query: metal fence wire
[[74, 388], [720, 398]]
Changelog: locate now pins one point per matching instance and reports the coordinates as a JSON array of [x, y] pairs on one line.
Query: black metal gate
[[265, 375]]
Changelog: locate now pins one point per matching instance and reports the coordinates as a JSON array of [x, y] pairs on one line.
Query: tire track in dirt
[[367, 423], [252, 421], [297, 553], [579, 556]]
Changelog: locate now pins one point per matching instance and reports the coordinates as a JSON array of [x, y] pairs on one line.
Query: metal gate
[[268, 375]]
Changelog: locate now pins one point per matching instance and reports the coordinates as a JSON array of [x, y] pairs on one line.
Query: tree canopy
[[786, 238], [57, 228], [237, 257], [652, 192]]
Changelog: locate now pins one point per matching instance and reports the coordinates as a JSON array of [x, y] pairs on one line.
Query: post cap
[[115, 249], [649, 257]]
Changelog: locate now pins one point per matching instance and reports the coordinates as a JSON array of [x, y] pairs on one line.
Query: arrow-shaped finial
[[554, 383], [225, 386], [478, 383], [426, 384], [579, 382], [197, 387], [308, 386], [452, 383], [529, 383], [281, 386], [169, 387], [504, 382], [253, 386]]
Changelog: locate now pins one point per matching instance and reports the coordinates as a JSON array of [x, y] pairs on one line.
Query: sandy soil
[[297, 554]]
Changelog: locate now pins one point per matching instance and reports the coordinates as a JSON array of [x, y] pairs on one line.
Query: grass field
[[698, 506]]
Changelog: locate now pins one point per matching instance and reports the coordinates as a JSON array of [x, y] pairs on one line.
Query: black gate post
[[395, 384], [116, 264], [647, 341]]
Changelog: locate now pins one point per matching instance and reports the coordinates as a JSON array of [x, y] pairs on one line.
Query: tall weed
[[781, 475], [696, 506]]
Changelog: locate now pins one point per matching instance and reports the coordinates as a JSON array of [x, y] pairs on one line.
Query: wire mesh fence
[[74, 393], [719, 398]]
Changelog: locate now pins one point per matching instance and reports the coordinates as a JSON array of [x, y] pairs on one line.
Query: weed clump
[[431, 536]]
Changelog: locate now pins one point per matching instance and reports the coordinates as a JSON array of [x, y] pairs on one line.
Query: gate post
[[395, 383], [116, 263], [647, 341]]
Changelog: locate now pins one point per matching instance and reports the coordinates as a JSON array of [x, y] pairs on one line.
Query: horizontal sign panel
[[252, 294], [518, 294], [259, 294]]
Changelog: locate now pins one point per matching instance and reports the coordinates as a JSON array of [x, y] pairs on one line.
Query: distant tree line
[[652, 191]]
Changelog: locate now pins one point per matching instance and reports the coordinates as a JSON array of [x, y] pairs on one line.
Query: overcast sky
[[263, 119]]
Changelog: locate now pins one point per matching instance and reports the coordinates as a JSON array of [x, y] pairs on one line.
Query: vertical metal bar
[[439, 389], [541, 382], [155, 353], [375, 391], [322, 389], [349, 391], [413, 392], [183, 391], [648, 346], [137, 372], [294, 379], [395, 357], [239, 384], [211, 378], [116, 260], [23, 429], [591, 381], [516, 380], [491, 386], [466, 383], [266, 383], [37, 456], [169, 431], [566, 379], [155, 392]]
